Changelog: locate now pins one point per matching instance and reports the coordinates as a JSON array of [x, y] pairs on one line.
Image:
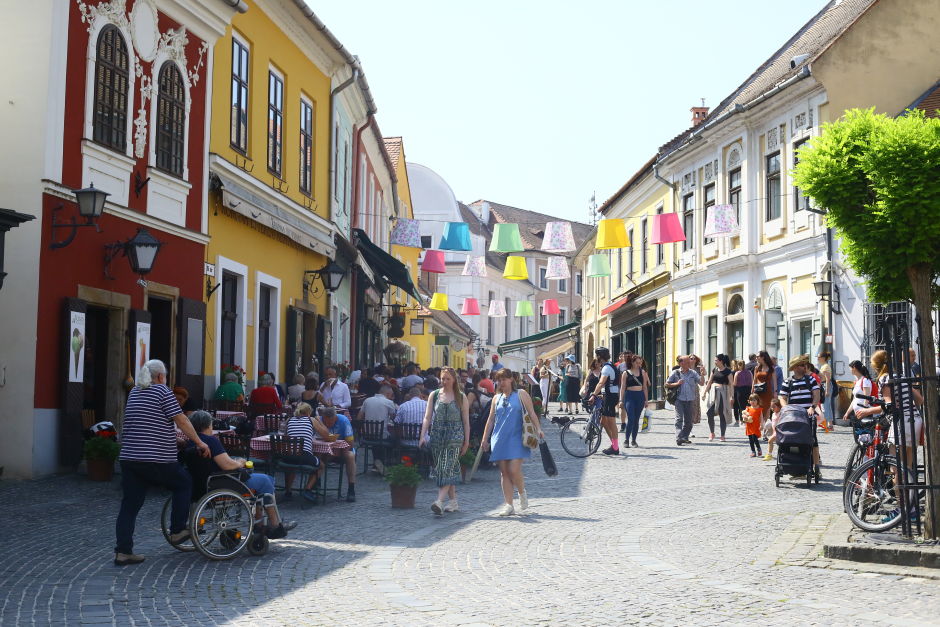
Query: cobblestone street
[[664, 535]]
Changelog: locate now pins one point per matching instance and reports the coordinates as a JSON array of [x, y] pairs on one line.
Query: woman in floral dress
[[447, 419]]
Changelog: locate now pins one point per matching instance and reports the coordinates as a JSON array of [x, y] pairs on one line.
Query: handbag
[[760, 388], [672, 395], [530, 434], [548, 462]]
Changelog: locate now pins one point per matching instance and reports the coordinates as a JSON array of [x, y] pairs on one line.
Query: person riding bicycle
[[608, 390]]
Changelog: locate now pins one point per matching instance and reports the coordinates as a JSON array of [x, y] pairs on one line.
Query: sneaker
[[507, 510], [127, 559], [687, 441], [635, 445], [276, 533], [722, 438], [351, 494], [711, 437], [523, 501], [753, 455], [310, 495], [623, 427], [179, 537], [437, 507], [379, 467], [610, 451], [768, 457], [451, 507], [885, 519], [679, 442], [288, 524]]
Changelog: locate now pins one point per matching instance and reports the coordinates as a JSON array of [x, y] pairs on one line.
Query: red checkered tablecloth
[[261, 446]]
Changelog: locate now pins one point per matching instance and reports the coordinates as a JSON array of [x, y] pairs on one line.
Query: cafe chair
[[240, 446], [285, 445], [374, 436]]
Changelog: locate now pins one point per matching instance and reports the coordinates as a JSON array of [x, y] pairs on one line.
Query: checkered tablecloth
[[261, 447]]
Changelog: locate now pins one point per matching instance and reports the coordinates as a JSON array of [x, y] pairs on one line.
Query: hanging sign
[[142, 344], [77, 347]]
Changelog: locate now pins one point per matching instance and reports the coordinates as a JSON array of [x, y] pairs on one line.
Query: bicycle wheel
[[869, 495], [580, 437], [856, 457]]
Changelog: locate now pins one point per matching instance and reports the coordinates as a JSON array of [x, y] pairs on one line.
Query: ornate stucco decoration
[[110, 10]]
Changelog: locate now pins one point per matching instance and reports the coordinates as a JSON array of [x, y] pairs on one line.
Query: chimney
[[699, 114]]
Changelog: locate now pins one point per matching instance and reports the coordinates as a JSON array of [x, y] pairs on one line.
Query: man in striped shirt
[[148, 458], [802, 390]]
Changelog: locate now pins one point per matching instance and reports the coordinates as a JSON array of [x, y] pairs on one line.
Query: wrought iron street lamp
[[141, 251], [331, 275], [90, 206]]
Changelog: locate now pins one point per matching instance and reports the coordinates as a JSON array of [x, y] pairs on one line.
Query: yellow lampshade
[[439, 302], [611, 234], [516, 268]]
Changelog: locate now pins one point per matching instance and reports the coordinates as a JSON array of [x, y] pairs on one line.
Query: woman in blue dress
[[505, 425]]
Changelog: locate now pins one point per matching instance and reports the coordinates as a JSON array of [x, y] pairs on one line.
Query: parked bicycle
[[581, 437]]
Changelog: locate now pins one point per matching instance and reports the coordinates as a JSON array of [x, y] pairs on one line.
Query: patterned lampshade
[[406, 232], [456, 236], [506, 239], [474, 266], [516, 268], [470, 307], [524, 309], [667, 229], [720, 221], [439, 301], [558, 238], [433, 262], [497, 309], [557, 269], [611, 233], [598, 265]]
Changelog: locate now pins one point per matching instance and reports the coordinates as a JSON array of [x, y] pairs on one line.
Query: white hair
[[148, 371]]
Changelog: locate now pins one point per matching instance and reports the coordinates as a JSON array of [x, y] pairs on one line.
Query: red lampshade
[[667, 229], [433, 261], [550, 307], [470, 307]]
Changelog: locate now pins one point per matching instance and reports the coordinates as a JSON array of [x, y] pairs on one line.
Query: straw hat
[[801, 360]]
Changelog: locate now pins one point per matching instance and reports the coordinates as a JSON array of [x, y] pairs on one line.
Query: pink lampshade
[[667, 229], [550, 307], [470, 307], [433, 261]]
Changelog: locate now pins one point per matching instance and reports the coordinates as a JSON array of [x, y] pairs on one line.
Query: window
[[709, 194], [772, 189], [712, 324], [562, 316], [229, 317], [563, 286], [644, 247], [543, 319], [306, 147], [171, 119], [336, 163], [275, 122], [578, 283], [426, 242], [347, 175], [264, 328], [689, 337], [806, 337], [491, 324], [239, 131], [688, 223], [630, 256], [620, 263], [659, 247], [800, 200], [111, 84], [734, 193], [543, 280]]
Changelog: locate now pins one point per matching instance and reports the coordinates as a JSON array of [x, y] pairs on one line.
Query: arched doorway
[[734, 327]]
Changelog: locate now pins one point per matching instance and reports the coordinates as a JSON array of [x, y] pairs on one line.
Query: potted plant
[[100, 454], [466, 463], [403, 480]]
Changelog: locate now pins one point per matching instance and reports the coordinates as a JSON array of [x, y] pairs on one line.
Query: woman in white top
[[862, 386]]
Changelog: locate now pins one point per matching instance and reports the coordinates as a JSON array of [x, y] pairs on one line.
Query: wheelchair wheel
[[257, 545], [221, 524], [185, 546]]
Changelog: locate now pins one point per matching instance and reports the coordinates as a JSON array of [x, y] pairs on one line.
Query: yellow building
[[269, 210]]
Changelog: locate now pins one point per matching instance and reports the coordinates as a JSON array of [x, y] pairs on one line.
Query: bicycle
[[581, 437]]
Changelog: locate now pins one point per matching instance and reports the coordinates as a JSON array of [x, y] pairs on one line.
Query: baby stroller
[[796, 437]]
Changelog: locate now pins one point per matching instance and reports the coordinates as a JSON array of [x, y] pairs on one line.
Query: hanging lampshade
[[558, 238], [667, 229], [523, 309], [433, 261], [506, 239], [470, 307], [474, 266], [516, 268], [406, 232], [497, 309], [598, 265], [456, 236], [438, 301], [550, 307], [557, 269], [611, 233]]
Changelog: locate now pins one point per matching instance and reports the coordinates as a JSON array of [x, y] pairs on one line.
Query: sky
[[542, 104]]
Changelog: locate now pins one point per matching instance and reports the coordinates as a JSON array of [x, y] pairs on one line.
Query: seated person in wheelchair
[[332, 426], [257, 482]]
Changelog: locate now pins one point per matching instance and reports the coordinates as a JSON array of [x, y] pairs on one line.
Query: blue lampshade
[[456, 237]]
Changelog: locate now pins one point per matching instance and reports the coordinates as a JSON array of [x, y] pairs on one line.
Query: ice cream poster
[[77, 347], [142, 345]]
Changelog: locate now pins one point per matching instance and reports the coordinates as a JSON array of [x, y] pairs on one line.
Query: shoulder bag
[[548, 462], [530, 433]]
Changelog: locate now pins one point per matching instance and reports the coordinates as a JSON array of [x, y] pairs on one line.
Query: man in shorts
[[608, 391]]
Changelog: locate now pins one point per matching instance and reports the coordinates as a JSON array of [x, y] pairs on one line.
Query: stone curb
[[837, 546]]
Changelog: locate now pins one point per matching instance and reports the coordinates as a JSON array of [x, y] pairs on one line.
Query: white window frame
[[542, 274], [167, 194], [274, 345], [224, 264], [563, 314], [579, 283], [562, 286]]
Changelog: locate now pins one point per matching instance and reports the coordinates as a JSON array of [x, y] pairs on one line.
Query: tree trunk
[[920, 278]]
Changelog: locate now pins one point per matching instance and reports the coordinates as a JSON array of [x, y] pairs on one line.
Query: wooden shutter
[[292, 344], [191, 349], [73, 392]]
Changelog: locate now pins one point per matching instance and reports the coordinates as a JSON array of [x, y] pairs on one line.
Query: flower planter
[[403, 496], [100, 469]]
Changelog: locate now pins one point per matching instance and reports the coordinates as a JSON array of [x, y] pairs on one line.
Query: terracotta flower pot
[[403, 496], [100, 469]]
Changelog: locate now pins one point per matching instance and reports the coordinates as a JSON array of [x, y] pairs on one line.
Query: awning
[[384, 265], [614, 306], [540, 338], [564, 349]]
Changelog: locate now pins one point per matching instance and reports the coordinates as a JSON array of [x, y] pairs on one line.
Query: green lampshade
[[506, 239], [524, 309], [598, 265]]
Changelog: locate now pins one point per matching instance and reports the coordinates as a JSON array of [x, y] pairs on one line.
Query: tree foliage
[[878, 178]]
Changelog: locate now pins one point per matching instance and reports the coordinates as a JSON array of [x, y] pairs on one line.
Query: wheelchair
[[222, 515]]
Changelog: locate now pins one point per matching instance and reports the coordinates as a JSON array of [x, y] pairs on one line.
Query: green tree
[[878, 179]]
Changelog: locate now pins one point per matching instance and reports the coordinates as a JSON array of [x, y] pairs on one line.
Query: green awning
[[541, 337], [384, 265]]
